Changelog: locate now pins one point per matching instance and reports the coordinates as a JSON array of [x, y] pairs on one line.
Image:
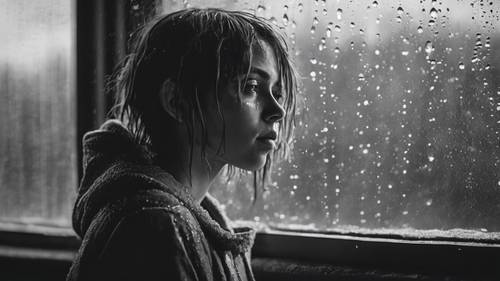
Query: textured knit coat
[[137, 222]]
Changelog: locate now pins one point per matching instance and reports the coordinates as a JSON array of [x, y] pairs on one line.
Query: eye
[[251, 86]]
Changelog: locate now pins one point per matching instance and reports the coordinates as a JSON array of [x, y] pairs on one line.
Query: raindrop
[[336, 50], [405, 53], [353, 24], [428, 202], [377, 52], [328, 32], [337, 28], [432, 22], [322, 45], [400, 10], [301, 7], [261, 8], [429, 48], [431, 158], [420, 29], [313, 60], [313, 29], [434, 13], [461, 66], [135, 7], [315, 20], [339, 13], [361, 77], [285, 19], [313, 74], [375, 4]]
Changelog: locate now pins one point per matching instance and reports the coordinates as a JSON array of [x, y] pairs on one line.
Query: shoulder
[[160, 219]]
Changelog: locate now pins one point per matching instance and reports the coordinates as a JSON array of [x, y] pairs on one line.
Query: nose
[[273, 110]]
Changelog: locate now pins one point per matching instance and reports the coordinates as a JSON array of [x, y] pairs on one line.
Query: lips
[[272, 135], [268, 140]]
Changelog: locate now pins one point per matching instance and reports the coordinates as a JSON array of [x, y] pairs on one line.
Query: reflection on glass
[[37, 113], [398, 126]]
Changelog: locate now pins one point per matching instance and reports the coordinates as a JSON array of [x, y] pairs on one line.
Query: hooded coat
[[137, 222]]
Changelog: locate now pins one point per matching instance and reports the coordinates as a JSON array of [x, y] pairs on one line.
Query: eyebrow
[[262, 73]]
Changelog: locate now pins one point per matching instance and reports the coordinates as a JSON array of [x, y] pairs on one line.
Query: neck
[[196, 174]]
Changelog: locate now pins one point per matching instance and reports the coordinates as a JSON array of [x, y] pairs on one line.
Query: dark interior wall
[[265, 269]]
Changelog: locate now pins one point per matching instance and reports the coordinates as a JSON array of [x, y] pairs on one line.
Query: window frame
[[101, 34]]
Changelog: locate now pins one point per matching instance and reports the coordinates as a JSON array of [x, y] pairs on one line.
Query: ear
[[167, 100]]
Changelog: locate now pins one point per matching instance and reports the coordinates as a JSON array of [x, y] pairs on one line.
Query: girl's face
[[250, 120]]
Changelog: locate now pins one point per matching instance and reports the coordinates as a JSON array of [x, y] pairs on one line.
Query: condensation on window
[[37, 112], [398, 127]]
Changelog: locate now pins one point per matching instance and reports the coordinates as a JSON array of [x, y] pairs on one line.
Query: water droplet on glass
[[261, 8], [434, 13], [338, 28], [339, 13], [361, 77], [461, 66], [428, 202], [374, 4], [377, 52], [301, 7], [432, 22], [429, 47], [285, 19], [313, 29], [328, 32], [353, 24], [313, 60], [313, 74], [336, 50], [405, 53], [431, 158], [315, 20], [400, 10], [420, 29]]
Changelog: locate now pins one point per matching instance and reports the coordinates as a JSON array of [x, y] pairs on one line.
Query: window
[[398, 126], [37, 112]]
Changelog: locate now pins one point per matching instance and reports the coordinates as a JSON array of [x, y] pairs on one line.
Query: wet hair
[[200, 51]]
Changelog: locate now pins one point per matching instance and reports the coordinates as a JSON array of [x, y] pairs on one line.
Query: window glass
[[398, 126], [37, 112]]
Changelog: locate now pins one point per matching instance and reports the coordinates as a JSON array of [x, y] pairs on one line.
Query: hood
[[102, 149], [115, 166]]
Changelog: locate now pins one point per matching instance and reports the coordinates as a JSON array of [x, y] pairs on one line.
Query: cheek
[[242, 121]]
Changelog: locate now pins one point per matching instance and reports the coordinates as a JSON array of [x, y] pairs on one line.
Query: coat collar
[[110, 154]]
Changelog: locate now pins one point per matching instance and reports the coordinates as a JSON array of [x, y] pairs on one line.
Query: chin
[[252, 163]]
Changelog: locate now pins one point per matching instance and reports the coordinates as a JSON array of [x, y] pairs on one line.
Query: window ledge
[[429, 257]]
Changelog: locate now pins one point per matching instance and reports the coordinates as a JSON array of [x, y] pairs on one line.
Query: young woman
[[202, 90]]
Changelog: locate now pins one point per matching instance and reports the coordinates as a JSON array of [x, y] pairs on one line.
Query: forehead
[[264, 59]]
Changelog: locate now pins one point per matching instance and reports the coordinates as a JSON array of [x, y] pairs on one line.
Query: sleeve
[[148, 245]]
